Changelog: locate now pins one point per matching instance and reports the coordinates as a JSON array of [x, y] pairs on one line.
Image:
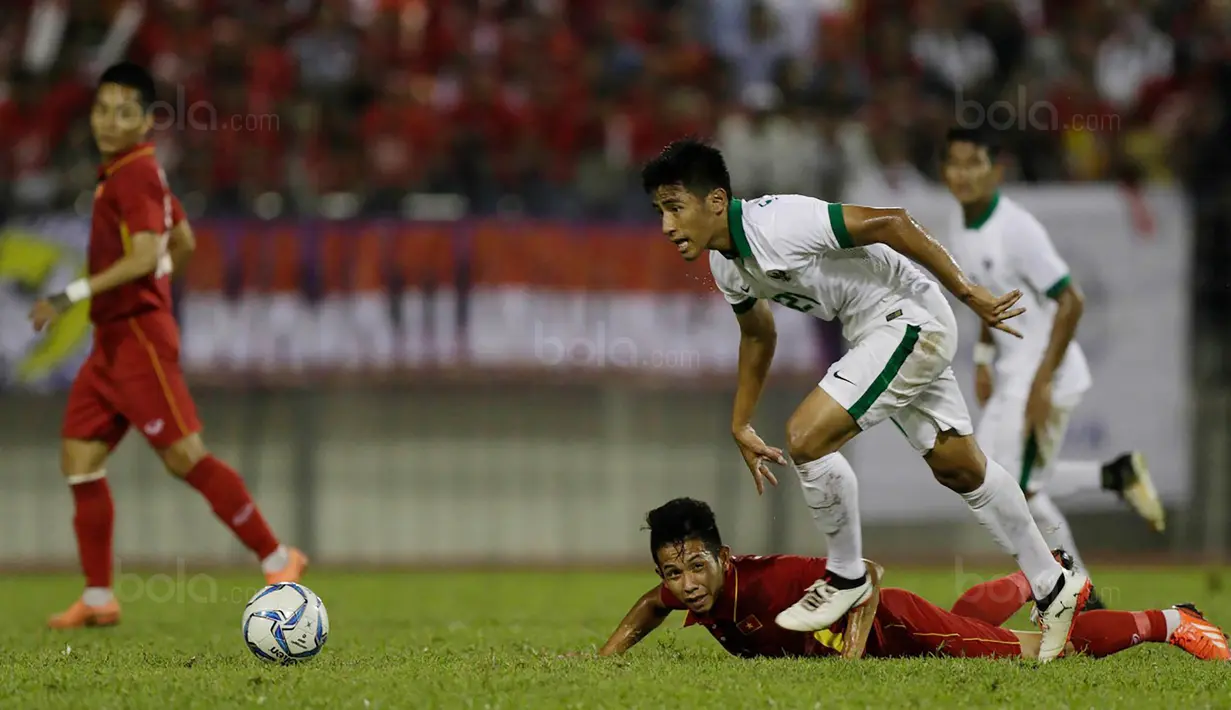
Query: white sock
[[1053, 525], [832, 494], [1069, 477], [1000, 506], [86, 477], [276, 560], [97, 596], [1173, 621]]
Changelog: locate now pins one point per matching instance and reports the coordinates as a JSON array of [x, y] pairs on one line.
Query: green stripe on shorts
[[1030, 456], [881, 383]]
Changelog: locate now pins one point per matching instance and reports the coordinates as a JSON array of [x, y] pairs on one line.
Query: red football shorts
[[909, 626], [132, 377]]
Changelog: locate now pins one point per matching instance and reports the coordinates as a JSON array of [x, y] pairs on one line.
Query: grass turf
[[454, 640]]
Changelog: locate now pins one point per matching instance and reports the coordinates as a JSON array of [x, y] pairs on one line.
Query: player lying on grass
[[139, 237], [855, 264], [736, 597], [1040, 378]]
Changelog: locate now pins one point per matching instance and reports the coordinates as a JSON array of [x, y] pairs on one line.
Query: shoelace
[[819, 593]]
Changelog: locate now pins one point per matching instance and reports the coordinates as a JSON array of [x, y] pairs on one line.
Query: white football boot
[[1057, 612], [823, 605], [1129, 477]]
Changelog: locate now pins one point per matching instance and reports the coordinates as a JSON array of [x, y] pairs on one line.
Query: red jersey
[[132, 196], [757, 588]]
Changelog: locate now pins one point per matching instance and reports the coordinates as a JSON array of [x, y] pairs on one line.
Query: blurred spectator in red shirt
[[406, 141], [33, 120]]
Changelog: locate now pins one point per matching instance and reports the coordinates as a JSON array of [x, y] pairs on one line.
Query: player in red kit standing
[[138, 238], [737, 597]]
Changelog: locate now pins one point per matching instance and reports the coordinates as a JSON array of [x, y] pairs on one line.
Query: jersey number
[[796, 302], [165, 265]]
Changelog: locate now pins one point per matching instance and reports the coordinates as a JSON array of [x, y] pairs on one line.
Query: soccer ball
[[285, 623]]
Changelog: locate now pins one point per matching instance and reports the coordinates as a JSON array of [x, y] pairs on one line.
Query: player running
[[138, 238], [1039, 378], [735, 596], [848, 262]]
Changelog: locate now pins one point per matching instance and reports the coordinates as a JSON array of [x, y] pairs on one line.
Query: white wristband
[[78, 290], [985, 353]]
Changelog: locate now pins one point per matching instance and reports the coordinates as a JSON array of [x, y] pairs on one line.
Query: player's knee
[[182, 456], [807, 443], [79, 458], [818, 427]]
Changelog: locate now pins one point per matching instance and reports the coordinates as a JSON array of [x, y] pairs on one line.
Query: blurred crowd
[[548, 106]]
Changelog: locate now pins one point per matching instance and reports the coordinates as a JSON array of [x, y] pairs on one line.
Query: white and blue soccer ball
[[285, 623]]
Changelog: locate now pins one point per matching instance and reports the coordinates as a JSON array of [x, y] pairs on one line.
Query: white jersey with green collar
[[1006, 249], [796, 251]]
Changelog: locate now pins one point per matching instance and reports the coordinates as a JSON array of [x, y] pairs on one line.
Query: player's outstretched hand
[[995, 310], [756, 454], [42, 314]]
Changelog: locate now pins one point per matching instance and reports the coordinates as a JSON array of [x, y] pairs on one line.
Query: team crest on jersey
[[749, 625], [778, 275]]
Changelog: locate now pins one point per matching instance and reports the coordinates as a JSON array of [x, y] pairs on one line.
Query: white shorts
[[902, 372], [1002, 436]]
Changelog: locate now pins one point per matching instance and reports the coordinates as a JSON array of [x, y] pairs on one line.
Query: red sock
[[1102, 633], [94, 521], [994, 602], [229, 498]]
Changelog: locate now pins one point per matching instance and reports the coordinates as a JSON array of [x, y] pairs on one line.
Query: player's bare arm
[[141, 260], [1071, 305], [896, 229], [757, 341], [645, 616], [181, 245], [985, 357]]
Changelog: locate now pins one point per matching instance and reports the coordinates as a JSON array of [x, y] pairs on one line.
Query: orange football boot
[[1198, 636], [79, 616], [296, 563]]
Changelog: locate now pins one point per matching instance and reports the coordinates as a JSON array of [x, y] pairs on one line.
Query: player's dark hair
[[678, 521], [689, 163], [132, 76], [974, 136]]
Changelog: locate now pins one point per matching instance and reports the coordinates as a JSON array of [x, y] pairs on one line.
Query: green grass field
[[452, 640]]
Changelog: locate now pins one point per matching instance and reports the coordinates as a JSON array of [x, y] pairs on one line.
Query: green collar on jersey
[[982, 219], [735, 223]]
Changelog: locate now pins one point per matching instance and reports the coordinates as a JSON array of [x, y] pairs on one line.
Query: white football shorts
[[902, 372], [1029, 458]]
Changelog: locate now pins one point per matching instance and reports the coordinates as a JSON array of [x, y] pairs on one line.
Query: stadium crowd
[[549, 105]]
